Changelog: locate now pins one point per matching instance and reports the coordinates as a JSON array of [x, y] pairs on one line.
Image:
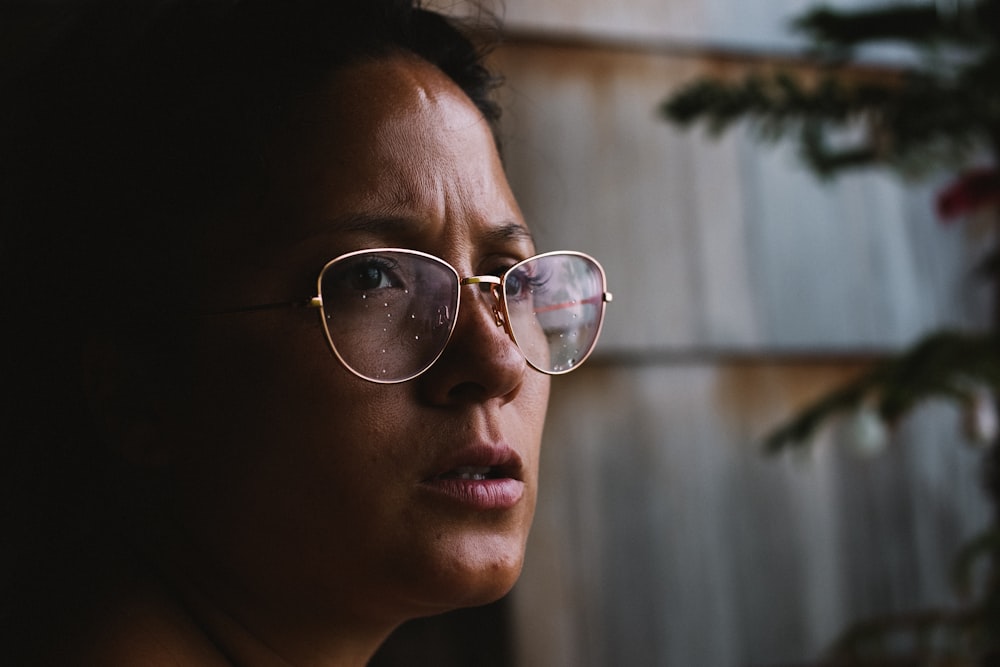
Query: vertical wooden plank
[[663, 537]]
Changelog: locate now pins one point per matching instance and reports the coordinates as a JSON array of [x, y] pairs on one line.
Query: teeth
[[471, 473]]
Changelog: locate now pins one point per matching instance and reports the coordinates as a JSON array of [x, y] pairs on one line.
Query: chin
[[475, 596], [470, 575], [490, 586]]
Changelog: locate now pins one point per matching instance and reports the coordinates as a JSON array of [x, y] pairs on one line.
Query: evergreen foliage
[[947, 364], [941, 110]]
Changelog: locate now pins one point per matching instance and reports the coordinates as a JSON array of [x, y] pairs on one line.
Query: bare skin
[[307, 528]]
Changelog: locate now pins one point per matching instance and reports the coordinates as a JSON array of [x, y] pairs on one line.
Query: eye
[[368, 273], [369, 276], [525, 280]]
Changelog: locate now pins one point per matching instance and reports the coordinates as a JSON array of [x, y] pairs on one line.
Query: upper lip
[[502, 461]]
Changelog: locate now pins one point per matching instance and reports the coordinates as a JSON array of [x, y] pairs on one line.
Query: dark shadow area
[[477, 637]]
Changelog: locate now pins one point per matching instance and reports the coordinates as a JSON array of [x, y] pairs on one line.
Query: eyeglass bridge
[[491, 284]]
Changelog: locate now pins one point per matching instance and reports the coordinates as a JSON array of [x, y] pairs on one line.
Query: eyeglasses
[[389, 313]]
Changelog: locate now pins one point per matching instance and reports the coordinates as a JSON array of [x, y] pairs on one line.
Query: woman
[[281, 364]]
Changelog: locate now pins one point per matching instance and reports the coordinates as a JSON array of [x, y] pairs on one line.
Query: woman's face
[[305, 487]]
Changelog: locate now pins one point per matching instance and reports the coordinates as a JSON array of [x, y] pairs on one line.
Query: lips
[[480, 477]]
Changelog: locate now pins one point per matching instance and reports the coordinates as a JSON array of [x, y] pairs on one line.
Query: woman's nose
[[481, 361]]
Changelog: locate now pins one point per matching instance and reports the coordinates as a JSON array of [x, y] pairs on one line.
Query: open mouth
[[482, 463], [474, 473]]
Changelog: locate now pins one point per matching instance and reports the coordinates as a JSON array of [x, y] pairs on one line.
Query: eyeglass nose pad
[[498, 316], [497, 310]]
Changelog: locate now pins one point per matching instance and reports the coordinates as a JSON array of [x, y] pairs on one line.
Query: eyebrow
[[389, 224], [510, 231]]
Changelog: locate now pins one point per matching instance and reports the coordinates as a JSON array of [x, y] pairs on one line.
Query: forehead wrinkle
[[373, 223], [402, 226], [423, 98], [366, 224]]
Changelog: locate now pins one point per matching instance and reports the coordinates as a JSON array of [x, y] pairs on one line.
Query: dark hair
[[125, 123]]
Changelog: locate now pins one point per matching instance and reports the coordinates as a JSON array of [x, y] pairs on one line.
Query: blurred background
[[744, 288]]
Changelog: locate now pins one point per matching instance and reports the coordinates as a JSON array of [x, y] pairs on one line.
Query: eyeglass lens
[[555, 303], [389, 314]]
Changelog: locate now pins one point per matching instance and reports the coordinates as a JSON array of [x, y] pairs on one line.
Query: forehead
[[392, 139], [398, 99]]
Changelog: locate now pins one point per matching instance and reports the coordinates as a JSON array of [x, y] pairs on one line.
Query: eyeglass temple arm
[[495, 282], [314, 302], [603, 297]]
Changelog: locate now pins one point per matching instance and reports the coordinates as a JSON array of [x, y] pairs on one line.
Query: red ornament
[[971, 191]]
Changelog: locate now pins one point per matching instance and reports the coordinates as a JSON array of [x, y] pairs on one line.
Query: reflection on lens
[[557, 320], [388, 313]]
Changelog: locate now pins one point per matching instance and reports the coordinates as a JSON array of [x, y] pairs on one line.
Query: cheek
[[271, 406], [272, 361], [534, 398], [291, 458], [287, 453]]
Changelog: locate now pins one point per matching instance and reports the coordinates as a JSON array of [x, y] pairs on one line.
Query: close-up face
[[310, 488]]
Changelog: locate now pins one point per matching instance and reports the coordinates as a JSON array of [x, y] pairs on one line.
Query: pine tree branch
[[924, 26], [922, 121], [937, 115], [942, 113], [903, 22], [944, 365]]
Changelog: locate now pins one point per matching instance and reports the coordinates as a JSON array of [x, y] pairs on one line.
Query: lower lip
[[480, 494]]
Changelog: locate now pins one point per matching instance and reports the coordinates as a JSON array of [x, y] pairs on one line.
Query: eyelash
[[529, 283], [384, 266]]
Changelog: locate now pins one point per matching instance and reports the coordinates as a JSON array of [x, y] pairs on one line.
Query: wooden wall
[[743, 288]]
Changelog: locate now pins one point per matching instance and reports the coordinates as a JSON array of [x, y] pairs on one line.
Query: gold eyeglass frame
[[491, 283]]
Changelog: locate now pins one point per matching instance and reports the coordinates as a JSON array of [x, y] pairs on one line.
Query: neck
[[276, 637]]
